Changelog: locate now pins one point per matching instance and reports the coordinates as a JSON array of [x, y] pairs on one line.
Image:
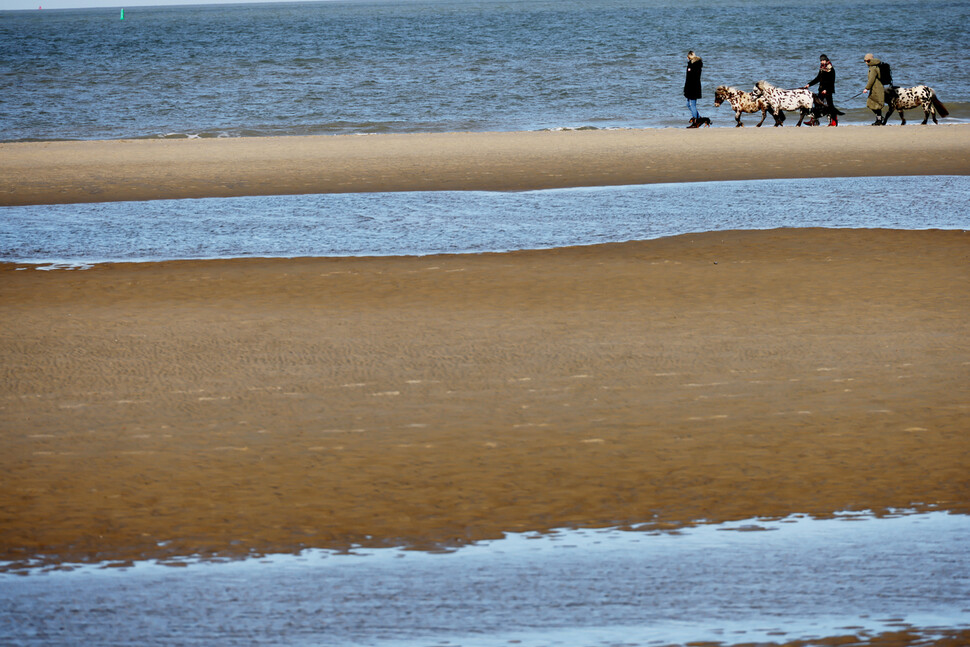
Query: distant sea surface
[[446, 65]]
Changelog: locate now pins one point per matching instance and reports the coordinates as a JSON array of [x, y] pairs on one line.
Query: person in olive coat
[[875, 89], [692, 87], [826, 86]]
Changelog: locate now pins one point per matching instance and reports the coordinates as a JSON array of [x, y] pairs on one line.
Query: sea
[[422, 223], [766, 582], [401, 66]]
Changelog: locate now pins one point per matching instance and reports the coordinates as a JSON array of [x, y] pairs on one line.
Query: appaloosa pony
[[741, 102], [908, 98], [779, 100]]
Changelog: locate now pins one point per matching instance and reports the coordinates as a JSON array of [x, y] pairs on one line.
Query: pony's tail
[[940, 108]]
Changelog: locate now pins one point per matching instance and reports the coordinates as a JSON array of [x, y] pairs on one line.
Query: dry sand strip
[[103, 171], [223, 407]]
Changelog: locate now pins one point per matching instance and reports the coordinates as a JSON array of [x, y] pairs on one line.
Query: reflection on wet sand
[[888, 581]]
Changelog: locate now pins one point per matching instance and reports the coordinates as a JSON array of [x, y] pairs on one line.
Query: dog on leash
[[701, 121], [821, 109]]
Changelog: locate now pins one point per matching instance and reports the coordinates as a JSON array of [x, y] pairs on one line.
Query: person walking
[[826, 86], [692, 87], [874, 88]]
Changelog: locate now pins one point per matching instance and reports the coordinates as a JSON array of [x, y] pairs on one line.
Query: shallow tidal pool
[[758, 581]]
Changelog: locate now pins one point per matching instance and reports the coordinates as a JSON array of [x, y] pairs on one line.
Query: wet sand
[[101, 171], [228, 407]]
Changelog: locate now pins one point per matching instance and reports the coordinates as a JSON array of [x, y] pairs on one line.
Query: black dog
[[821, 109], [702, 121]]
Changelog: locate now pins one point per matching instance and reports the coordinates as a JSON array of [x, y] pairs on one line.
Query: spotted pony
[[741, 102], [778, 101], [907, 98]]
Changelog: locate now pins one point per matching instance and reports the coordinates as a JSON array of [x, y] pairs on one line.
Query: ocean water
[[749, 582], [453, 222], [367, 66]]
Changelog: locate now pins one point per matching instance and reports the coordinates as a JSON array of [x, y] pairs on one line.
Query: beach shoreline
[[158, 410], [113, 170]]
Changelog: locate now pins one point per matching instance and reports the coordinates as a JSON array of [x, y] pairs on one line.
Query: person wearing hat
[[826, 86], [692, 87], [874, 88]]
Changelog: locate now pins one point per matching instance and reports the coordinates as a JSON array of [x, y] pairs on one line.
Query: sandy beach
[[238, 406], [100, 171], [227, 407]]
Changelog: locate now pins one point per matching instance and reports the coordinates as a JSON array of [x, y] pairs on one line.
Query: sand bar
[[161, 409], [101, 171]]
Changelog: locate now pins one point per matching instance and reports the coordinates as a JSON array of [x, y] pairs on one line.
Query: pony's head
[[720, 94], [760, 88]]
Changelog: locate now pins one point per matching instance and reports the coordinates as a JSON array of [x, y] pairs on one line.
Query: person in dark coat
[[692, 87], [826, 86]]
